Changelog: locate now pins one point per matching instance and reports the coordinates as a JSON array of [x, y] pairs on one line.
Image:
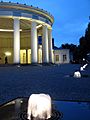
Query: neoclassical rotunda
[[20, 27]]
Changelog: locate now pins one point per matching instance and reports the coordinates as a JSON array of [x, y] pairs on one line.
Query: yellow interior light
[[8, 53]]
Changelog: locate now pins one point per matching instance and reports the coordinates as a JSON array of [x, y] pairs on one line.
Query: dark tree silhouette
[[87, 38], [84, 41], [80, 51], [82, 48]]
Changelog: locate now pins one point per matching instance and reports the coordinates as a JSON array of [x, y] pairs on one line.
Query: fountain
[[84, 66], [81, 69], [39, 107], [77, 74], [16, 109]]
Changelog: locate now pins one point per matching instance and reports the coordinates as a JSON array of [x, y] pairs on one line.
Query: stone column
[[45, 53], [34, 43], [16, 41], [50, 45]]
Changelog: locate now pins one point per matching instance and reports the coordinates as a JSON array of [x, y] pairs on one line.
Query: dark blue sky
[[71, 17]]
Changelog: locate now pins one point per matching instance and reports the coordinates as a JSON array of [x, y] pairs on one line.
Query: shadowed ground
[[54, 80]]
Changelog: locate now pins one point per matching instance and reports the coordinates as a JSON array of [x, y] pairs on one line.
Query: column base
[[16, 64], [46, 64], [34, 64]]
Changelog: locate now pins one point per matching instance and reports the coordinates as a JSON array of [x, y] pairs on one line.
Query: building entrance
[[25, 56]]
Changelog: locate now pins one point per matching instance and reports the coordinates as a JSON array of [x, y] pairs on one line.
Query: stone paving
[[55, 80]]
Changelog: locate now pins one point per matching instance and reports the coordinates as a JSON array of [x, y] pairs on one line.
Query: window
[[57, 58], [64, 58]]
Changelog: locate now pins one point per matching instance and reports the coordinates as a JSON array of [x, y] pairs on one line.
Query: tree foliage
[[85, 43], [80, 51]]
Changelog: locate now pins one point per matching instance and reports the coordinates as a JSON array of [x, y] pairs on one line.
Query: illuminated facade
[[20, 26], [61, 56]]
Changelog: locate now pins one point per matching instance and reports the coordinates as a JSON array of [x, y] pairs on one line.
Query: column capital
[[50, 28], [33, 21], [16, 18], [44, 25]]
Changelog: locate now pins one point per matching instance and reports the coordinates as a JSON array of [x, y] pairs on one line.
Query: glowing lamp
[[8, 53], [8, 30]]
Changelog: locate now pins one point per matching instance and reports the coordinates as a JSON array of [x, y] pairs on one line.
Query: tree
[[82, 48], [80, 51], [87, 38], [84, 41]]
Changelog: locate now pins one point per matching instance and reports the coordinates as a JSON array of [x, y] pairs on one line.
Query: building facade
[[20, 27], [61, 56]]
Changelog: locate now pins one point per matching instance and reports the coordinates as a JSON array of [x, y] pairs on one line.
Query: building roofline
[[26, 7]]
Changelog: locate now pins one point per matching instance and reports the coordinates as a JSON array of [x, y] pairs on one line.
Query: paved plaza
[[55, 80]]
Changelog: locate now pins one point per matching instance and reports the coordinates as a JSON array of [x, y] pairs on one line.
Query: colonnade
[[47, 53]]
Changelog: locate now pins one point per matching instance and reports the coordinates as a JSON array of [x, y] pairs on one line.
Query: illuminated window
[[64, 57], [57, 58]]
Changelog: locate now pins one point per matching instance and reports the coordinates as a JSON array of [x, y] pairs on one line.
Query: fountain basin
[[62, 110]]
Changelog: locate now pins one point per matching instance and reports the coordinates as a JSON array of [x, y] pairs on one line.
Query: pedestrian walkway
[[16, 81]]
